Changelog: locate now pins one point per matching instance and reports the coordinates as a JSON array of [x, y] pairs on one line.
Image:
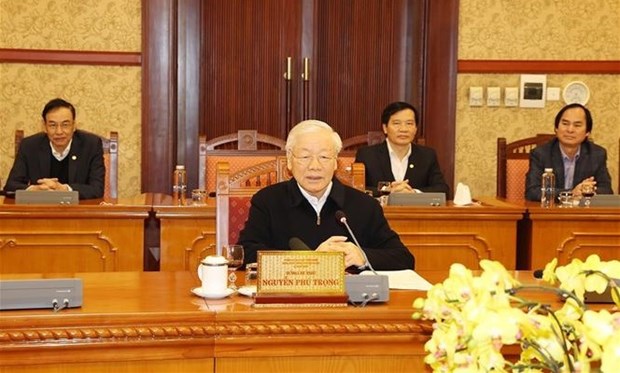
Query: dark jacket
[[86, 167], [423, 172], [592, 162], [280, 212]]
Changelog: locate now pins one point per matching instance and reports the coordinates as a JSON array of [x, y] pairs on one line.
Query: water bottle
[[547, 197], [179, 185]]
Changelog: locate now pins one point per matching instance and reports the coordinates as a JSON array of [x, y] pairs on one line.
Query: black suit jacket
[[86, 167], [280, 212], [592, 162], [423, 172]]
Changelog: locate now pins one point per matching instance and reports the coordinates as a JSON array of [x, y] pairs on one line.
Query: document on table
[[406, 279]]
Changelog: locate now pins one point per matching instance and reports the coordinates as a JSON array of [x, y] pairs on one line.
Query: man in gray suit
[[59, 158], [576, 162]]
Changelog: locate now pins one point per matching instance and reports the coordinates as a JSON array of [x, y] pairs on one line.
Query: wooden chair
[[355, 142], [371, 138], [241, 149], [513, 163], [233, 194], [110, 160]]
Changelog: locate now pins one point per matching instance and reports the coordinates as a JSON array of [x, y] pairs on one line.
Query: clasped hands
[[352, 254], [579, 188], [48, 184], [401, 187]]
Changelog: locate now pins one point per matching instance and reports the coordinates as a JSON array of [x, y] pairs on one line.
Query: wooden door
[[359, 53], [246, 44]]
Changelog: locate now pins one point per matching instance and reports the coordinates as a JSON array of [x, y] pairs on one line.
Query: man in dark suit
[[576, 162], [60, 158], [410, 167], [305, 208]]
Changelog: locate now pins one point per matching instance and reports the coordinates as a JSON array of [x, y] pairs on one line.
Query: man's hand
[[401, 187], [352, 254], [579, 187], [48, 184]]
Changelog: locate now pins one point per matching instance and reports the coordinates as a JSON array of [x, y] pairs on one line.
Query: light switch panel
[[511, 96], [475, 96], [493, 96], [553, 93]]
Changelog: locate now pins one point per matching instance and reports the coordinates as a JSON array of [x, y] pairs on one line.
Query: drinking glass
[[587, 190], [383, 189], [234, 256], [566, 199]]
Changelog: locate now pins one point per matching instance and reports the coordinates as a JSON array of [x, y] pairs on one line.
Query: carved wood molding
[[540, 67], [601, 243], [46, 242], [67, 57], [201, 246], [128, 334]]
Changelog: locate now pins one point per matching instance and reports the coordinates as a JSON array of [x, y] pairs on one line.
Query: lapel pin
[[74, 157], [411, 165]]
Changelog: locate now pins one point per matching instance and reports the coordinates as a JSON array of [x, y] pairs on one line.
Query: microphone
[[364, 289], [342, 218], [538, 273], [296, 243]]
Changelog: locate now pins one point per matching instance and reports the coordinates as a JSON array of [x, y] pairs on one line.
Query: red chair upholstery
[[513, 163]]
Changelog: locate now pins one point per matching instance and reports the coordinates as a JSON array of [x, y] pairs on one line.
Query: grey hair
[[311, 126]]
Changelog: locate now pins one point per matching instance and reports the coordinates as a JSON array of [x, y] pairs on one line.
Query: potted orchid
[[478, 320]]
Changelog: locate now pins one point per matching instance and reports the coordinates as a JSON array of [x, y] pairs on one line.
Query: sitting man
[[60, 158], [305, 208], [575, 160], [411, 168]]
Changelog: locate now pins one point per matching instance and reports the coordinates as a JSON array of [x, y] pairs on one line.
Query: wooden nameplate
[[300, 278]]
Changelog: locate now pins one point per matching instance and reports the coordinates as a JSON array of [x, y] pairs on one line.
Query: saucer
[[199, 292], [248, 291]]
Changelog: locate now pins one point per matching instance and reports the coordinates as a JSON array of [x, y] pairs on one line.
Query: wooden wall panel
[[159, 140], [246, 46]]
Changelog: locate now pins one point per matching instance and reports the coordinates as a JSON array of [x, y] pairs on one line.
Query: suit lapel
[[45, 156], [411, 163], [384, 163], [582, 166], [73, 158]]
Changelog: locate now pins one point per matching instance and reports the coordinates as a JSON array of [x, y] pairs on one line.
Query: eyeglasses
[[305, 160], [409, 124], [64, 126]]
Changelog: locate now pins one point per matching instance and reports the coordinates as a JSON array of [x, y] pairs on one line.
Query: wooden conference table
[[149, 321], [568, 233], [89, 237], [437, 236]]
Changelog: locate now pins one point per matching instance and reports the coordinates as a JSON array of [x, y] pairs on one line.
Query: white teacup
[[213, 272]]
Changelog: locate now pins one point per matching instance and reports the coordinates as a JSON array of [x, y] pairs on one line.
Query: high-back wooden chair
[[371, 138], [233, 194], [355, 142], [513, 163], [241, 149], [348, 172], [110, 160]]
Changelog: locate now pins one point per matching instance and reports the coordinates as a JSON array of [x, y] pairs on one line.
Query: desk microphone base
[[367, 288], [40, 293]]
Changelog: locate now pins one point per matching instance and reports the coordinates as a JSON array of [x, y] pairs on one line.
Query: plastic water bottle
[[547, 197], [179, 185]]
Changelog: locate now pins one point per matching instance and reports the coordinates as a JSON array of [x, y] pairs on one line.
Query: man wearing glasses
[[59, 158], [305, 208], [410, 168]]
